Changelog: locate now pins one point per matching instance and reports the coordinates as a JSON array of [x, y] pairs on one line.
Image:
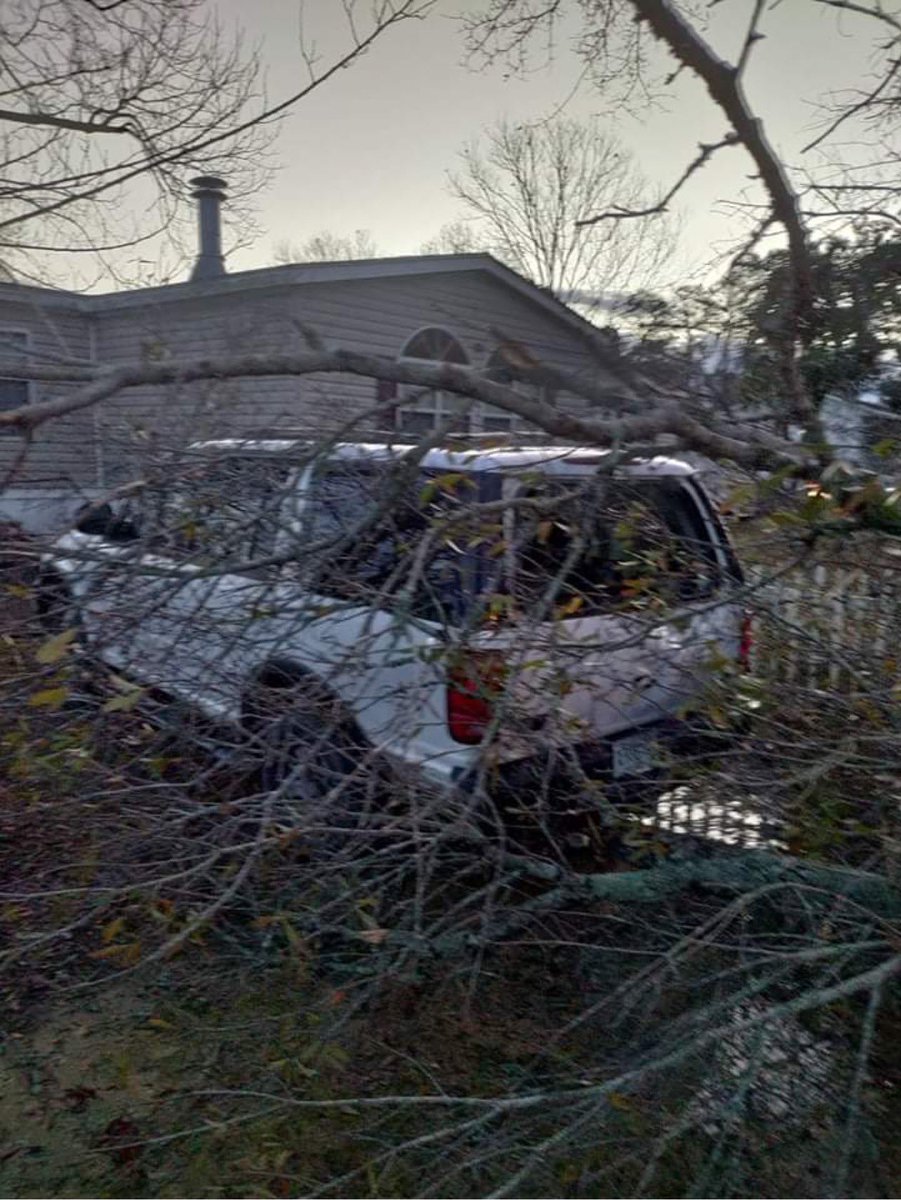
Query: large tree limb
[[752, 449], [742, 871], [723, 82]]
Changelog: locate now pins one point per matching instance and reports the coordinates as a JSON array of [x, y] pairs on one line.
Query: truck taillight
[[473, 687], [746, 641]]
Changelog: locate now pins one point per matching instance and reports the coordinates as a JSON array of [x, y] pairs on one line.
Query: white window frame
[[440, 405], [436, 403]]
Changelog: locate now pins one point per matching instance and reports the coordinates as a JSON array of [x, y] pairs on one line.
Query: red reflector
[[472, 690], [746, 643]]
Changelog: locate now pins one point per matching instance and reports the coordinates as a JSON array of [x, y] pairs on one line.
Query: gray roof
[[298, 275]]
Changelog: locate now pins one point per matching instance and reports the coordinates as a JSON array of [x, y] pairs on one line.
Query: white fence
[[830, 627]]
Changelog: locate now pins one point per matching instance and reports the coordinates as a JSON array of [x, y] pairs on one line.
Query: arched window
[[435, 344], [423, 410]]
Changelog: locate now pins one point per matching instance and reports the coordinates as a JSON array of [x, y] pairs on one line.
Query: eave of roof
[[45, 297], [300, 274]]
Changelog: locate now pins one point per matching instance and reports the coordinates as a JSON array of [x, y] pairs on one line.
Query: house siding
[[62, 458], [368, 316], [102, 447]]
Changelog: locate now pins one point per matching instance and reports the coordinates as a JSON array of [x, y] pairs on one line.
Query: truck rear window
[[585, 545], [605, 545]]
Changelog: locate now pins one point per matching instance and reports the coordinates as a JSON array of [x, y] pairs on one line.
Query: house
[[465, 308]]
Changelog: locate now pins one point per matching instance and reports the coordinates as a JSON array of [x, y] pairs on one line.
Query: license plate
[[633, 756]]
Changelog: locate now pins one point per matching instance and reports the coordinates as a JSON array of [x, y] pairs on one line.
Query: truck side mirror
[[94, 519], [100, 521]]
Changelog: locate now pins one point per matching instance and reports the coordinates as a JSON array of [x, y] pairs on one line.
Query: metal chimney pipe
[[209, 192]]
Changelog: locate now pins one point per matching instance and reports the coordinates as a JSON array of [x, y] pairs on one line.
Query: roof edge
[[299, 274], [32, 293]]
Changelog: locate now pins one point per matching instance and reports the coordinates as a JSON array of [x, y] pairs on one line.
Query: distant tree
[[855, 332], [327, 246], [456, 237], [525, 188], [726, 337]]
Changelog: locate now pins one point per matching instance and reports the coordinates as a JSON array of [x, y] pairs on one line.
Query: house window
[[15, 390], [423, 410], [499, 369]]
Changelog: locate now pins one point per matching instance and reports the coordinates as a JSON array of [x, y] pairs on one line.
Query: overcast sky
[[371, 148]]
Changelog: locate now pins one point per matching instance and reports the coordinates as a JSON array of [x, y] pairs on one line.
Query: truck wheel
[[307, 755], [56, 608]]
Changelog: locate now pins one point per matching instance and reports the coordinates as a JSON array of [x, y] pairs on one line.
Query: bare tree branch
[[60, 122], [877, 12], [724, 85], [753, 35], [162, 74], [848, 114], [707, 150]]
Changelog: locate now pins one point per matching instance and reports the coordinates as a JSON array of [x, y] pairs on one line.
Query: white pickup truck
[[458, 611]]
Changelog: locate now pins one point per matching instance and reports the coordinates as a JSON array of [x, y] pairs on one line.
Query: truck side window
[[343, 499], [229, 510], [377, 561]]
